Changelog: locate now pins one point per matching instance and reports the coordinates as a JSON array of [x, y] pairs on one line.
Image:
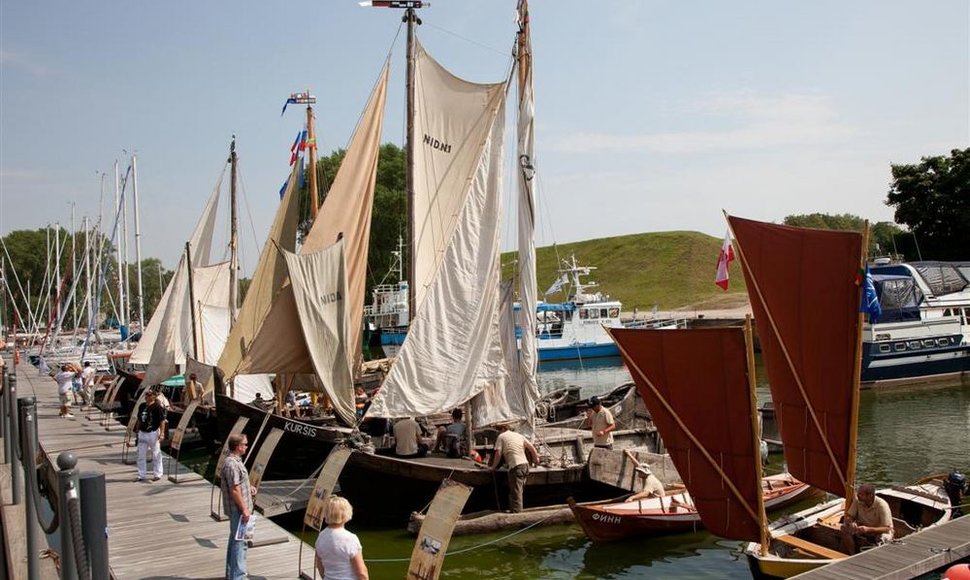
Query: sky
[[651, 115]]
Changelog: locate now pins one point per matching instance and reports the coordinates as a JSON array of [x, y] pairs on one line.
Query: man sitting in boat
[[602, 424], [867, 522], [652, 487], [451, 439], [407, 439]]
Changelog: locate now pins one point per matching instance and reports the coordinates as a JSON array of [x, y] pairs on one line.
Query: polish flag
[[724, 260]]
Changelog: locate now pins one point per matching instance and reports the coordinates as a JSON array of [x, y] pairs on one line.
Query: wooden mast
[[312, 159], [856, 379], [188, 268], [411, 18], [233, 237], [755, 430]]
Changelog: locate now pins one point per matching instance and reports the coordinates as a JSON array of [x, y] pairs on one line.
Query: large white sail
[[528, 293], [453, 350], [164, 332], [320, 292], [452, 120]]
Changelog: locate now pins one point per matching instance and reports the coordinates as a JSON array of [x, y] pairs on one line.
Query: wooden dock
[[912, 556], [158, 529]]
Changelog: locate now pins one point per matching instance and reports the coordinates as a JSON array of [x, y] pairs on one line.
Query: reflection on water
[[904, 434]]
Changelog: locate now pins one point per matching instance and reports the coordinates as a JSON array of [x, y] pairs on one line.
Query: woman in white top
[[339, 553]]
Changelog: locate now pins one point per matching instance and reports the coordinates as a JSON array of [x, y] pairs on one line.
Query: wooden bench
[[811, 547]]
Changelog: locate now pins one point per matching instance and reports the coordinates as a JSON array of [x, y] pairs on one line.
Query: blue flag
[[870, 300], [289, 101]]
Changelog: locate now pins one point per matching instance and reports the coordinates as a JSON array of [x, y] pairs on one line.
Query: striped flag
[[724, 260]]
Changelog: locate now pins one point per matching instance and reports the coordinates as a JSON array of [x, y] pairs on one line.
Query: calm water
[[904, 434]]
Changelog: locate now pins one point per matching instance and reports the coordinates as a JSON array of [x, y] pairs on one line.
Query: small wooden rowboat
[[675, 513]]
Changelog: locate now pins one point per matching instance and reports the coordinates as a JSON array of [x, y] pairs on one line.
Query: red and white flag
[[724, 260]]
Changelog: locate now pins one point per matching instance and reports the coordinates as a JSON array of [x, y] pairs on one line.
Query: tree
[[933, 199], [882, 235]]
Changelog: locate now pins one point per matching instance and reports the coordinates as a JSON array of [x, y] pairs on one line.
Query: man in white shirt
[[518, 453], [87, 379], [407, 439], [65, 383]]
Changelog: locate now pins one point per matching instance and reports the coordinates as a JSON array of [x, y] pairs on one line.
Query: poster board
[[431, 546], [176, 443], [263, 456], [326, 482]]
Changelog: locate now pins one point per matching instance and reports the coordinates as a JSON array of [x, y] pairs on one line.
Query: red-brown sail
[[695, 384], [805, 297]]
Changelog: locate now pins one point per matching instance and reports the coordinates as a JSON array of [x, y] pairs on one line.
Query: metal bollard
[[67, 490], [11, 410], [28, 433], [94, 514], [4, 423]]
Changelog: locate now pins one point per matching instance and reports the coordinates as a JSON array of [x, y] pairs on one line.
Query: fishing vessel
[[460, 351], [673, 513], [922, 333], [811, 344]]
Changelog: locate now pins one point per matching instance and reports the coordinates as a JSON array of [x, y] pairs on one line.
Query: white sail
[[159, 333], [453, 350], [528, 292], [452, 120], [320, 291]]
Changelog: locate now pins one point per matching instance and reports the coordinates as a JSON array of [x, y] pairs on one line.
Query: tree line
[[931, 199]]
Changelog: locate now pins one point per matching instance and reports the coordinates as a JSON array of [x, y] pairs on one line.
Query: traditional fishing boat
[[811, 344], [673, 513], [460, 351]]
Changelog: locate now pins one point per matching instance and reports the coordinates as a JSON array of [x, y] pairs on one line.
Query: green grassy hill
[[670, 269]]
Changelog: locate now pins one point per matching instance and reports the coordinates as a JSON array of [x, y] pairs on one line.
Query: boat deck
[[911, 556], [159, 529]]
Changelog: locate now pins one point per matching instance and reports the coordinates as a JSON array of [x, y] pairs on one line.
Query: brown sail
[[695, 384], [805, 295]]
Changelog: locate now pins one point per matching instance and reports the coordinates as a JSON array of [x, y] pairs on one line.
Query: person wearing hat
[[518, 453], [151, 426], [652, 487], [602, 424]]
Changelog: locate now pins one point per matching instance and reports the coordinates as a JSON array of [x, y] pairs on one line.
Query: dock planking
[[909, 557], [156, 529]]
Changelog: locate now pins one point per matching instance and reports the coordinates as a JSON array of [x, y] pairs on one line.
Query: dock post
[[11, 412], [67, 494], [28, 432], [94, 515], [4, 422]]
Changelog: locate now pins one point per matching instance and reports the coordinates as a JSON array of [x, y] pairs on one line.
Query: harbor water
[[904, 434]]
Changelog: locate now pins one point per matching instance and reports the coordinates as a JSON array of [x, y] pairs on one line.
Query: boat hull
[[913, 507], [620, 521], [577, 351]]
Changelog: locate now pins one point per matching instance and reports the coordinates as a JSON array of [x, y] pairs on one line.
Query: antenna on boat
[[411, 18]]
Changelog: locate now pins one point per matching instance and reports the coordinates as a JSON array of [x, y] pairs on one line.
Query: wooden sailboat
[[461, 349], [805, 291]]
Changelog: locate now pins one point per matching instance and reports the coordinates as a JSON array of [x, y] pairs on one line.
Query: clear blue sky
[[652, 116]]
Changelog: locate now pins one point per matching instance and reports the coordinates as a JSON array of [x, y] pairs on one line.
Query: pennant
[[295, 148], [289, 101], [870, 299], [557, 285], [724, 260], [283, 188]]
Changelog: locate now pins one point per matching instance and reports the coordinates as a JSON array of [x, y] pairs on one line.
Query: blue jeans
[[236, 549]]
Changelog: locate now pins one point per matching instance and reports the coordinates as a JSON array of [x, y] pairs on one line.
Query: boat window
[[947, 312], [614, 312], [914, 344], [594, 313], [604, 313], [884, 348], [899, 346], [583, 314], [943, 342], [929, 343]]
